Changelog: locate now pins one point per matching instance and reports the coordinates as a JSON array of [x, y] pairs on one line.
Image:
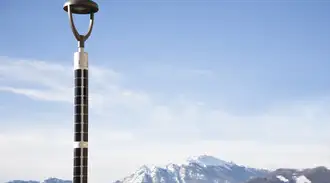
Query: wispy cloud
[[124, 120], [53, 82]]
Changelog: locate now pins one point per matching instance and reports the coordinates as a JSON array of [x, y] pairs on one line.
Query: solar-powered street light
[[80, 162]]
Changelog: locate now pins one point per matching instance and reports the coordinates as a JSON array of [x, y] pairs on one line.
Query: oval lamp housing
[[81, 6]]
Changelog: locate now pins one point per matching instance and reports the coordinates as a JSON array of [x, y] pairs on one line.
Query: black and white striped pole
[[80, 157]]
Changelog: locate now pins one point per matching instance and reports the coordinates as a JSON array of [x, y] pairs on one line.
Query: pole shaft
[[80, 159]]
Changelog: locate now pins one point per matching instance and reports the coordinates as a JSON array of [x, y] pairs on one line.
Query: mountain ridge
[[202, 168], [208, 169], [49, 180], [319, 174]]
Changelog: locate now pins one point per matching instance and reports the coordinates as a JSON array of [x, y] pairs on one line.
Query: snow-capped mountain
[[314, 175], [208, 169], [199, 169]]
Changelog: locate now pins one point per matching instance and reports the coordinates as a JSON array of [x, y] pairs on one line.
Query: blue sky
[[198, 76]]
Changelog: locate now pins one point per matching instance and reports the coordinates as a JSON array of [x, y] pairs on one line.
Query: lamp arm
[[73, 27], [90, 28]]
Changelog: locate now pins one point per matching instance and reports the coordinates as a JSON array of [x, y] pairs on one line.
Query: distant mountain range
[[50, 180], [208, 169], [313, 175]]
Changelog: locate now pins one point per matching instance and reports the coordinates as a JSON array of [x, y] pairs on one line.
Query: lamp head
[[81, 6]]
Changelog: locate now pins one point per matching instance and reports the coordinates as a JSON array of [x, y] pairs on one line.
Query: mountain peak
[[206, 161], [143, 169], [197, 169]]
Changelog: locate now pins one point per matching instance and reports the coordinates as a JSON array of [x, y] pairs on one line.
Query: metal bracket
[[80, 38]]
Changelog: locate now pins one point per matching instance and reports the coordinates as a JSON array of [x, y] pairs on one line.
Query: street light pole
[[80, 160]]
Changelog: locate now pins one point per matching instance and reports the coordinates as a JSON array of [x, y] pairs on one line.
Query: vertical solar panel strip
[[78, 125], [77, 105], [84, 103], [85, 165]]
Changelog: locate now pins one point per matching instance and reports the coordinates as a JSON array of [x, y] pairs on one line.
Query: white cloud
[[129, 128]]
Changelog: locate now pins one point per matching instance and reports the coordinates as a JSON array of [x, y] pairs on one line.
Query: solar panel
[[80, 162]]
